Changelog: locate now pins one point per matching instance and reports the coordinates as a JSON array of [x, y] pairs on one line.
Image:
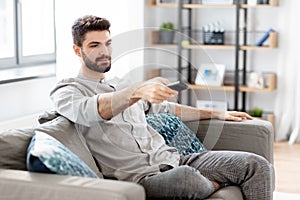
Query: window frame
[[18, 60]]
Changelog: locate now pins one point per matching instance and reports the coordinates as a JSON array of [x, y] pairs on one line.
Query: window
[[27, 35]]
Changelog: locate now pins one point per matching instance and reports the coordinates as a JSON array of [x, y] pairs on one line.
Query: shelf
[[152, 3], [207, 6], [224, 47], [273, 43], [271, 86], [203, 87], [273, 38], [247, 89], [230, 88], [193, 46]]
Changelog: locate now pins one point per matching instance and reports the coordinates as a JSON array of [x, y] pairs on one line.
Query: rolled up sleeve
[[164, 107], [70, 102]]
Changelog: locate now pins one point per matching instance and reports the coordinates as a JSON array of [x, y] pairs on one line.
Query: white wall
[[125, 16], [25, 98]]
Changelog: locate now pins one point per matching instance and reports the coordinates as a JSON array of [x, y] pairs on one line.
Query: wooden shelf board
[[208, 6], [203, 87], [273, 43], [152, 3], [165, 5], [255, 47], [230, 88], [202, 46], [193, 46], [257, 6], [195, 6], [196, 46], [247, 89]]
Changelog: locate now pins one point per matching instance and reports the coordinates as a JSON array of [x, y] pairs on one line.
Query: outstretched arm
[[152, 91], [71, 101]]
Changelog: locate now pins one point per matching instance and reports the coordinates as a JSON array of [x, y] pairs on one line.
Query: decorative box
[[213, 37]]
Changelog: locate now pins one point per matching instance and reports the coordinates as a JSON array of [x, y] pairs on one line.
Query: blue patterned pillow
[[47, 155], [175, 133]]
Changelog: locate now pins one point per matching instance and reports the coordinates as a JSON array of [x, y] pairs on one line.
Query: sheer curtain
[[287, 109]]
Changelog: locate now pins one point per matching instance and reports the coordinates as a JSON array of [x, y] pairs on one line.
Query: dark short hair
[[86, 24]]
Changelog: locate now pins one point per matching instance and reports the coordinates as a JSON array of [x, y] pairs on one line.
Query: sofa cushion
[[13, 146], [175, 133], [47, 155], [230, 192], [16, 142], [64, 131]]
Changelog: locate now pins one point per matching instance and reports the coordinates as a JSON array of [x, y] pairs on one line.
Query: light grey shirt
[[125, 147]]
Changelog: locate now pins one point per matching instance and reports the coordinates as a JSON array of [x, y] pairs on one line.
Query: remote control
[[178, 86]]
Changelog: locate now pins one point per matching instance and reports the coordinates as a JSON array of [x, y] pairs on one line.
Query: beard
[[102, 67]]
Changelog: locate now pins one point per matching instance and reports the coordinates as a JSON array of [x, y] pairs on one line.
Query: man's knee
[[259, 163], [183, 181], [262, 168], [193, 182]]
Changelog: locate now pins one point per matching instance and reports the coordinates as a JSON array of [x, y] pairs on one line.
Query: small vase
[[166, 37]]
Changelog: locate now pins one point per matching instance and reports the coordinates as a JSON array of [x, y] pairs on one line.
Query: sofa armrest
[[256, 136], [17, 184]]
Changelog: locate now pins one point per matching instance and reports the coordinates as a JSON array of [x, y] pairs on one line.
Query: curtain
[[287, 106]]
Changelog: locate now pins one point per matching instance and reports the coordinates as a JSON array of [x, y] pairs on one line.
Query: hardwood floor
[[287, 167]]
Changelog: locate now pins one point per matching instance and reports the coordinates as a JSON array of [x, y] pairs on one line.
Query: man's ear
[[77, 50]]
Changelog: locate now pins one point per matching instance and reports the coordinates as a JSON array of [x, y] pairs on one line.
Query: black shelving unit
[[239, 46], [237, 51], [185, 9], [179, 44]]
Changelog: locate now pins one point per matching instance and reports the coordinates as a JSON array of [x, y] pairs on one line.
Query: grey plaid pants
[[252, 173]]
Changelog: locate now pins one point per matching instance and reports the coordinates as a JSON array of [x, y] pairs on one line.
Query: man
[[112, 120]]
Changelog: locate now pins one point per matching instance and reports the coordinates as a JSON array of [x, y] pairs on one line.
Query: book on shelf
[[264, 37]]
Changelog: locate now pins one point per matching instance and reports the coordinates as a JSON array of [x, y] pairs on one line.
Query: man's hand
[[233, 116], [154, 91]]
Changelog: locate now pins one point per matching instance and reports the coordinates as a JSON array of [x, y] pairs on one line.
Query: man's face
[[96, 51]]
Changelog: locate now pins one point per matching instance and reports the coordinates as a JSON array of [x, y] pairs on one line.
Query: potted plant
[[166, 33], [256, 112]]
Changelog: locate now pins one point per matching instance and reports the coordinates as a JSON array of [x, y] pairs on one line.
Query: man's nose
[[104, 50]]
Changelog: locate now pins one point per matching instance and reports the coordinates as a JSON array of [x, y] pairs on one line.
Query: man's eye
[[94, 46]]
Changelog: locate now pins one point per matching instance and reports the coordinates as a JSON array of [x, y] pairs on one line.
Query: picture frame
[[256, 80], [212, 105], [210, 74]]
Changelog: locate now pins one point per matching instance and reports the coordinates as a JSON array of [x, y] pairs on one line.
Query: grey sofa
[[17, 183]]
